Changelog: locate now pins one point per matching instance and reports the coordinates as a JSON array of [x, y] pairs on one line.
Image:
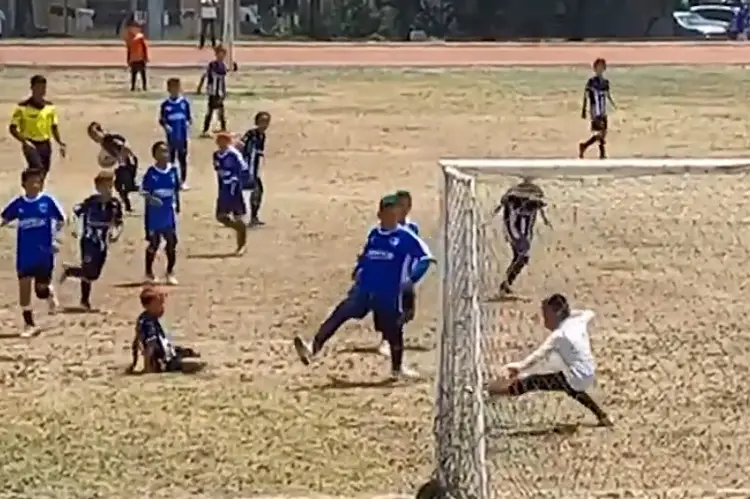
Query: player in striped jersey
[[520, 206], [253, 146], [215, 78], [596, 95]]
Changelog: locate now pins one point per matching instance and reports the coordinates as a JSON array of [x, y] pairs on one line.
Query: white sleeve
[[585, 315], [541, 353]]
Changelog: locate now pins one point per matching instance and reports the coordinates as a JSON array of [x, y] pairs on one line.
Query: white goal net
[[660, 250]]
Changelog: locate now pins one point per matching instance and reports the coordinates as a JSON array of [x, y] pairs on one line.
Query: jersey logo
[[43, 207], [394, 241]]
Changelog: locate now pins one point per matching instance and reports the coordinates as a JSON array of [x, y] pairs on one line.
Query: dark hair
[[38, 80], [172, 82], [220, 48], [149, 294], [30, 173], [559, 306], [260, 115], [403, 194], [599, 61], [156, 145]]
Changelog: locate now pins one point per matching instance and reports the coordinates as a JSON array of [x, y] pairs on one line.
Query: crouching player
[[230, 168], [115, 151], [100, 220], [563, 363], [520, 206], [161, 189], [151, 340], [40, 219], [386, 256]]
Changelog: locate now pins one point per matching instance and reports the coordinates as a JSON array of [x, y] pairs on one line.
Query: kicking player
[[230, 204], [100, 218], [520, 206], [409, 298], [40, 219], [161, 189], [596, 94], [115, 151], [215, 78], [176, 119], [563, 363], [159, 353], [386, 256], [253, 149]]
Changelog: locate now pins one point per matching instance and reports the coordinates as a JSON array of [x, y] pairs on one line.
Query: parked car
[[693, 25], [724, 13]]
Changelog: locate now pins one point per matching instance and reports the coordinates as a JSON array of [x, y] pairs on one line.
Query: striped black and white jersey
[[216, 79], [597, 92], [253, 149], [519, 212]]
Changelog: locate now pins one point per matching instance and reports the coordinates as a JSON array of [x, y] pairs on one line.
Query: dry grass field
[[662, 260]]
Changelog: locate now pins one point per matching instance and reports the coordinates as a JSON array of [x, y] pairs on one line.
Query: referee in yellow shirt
[[34, 125]]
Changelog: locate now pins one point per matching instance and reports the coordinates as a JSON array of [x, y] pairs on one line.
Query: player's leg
[[170, 250], [222, 114], [408, 303], [594, 138], [43, 286], [354, 306], [211, 107], [521, 249], [153, 241], [25, 285], [133, 75], [92, 267], [229, 213], [142, 73], [603, 138], [122, 186], [44, 153], [256, 199], [182, 157], [389, 321], [554, 382]]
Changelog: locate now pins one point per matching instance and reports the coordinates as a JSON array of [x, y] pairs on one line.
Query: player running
[[563, 363], [40, 219], [520, 206], [230, 204], [253, 145], [387, 255], [161, 189], [100, 219], [596, 95], [176, 119]]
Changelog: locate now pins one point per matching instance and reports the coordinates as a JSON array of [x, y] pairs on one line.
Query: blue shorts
[[41, 273], [231, 204]]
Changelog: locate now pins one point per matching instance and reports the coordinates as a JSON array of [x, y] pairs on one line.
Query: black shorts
[[93, 258], [40, 157], [553, 382], [215, 102], [231, 204], [155, 237], [125, 176], [599, 124], [42, 274]]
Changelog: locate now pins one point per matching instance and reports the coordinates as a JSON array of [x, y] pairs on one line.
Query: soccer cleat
[[581, 150], [606, 422], [506, 289], [150, 279], [240, 250], [86, 306], [384, 349], [405, 373], [29, 331], [255, 222], [304, 350], [171, 280], [184, 187]]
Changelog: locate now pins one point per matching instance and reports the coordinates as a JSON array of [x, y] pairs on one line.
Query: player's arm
[[147, 189], [586, 91], [188, 112], [177, 183], [118, 220], [501, 205], [163, 122], [609, 97], [203, 79], [538, 355], [422, 255], [16, 124], [10, 212], [543, 213], [55, 127]]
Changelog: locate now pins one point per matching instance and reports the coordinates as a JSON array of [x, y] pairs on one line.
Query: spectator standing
[[209, 15], [137, 54]]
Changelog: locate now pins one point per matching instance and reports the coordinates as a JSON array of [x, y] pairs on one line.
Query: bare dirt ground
[[662, 260]]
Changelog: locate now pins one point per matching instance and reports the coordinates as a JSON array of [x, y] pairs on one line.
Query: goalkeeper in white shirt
[[563, 363]]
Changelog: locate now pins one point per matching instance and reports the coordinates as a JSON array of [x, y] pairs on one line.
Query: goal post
[[229, 28], [604, 213]]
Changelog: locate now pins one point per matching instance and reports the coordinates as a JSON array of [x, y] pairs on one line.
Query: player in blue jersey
[[230, 169], [160, 187], [176, 118], [393, 260], [159, 353], [100, 221], [253, 145], [39, 220]]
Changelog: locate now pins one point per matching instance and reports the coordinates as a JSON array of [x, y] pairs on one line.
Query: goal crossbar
[[620, 167]]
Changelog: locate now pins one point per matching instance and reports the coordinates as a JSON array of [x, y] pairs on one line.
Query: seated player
[[39, 220], [563, 363], [230, 204], [100, 219], [520, 206], [151, 340], [115, 151]]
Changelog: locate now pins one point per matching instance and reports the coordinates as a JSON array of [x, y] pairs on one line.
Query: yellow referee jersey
[[34, 122]]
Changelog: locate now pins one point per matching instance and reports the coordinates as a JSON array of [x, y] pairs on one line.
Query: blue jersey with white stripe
[[387, 259], [230, 169], [411, 225], [39, 220], [162, 186], [175, 116]]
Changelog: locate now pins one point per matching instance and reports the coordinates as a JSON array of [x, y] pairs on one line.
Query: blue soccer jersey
[[161, 186], [230, 169], [175, 117], [411, 225], [388, 259], [39, 220]]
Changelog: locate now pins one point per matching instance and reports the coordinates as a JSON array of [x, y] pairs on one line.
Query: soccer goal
[[660, 250]]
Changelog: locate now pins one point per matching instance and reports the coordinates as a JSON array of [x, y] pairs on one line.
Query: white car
[[692, 23]]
